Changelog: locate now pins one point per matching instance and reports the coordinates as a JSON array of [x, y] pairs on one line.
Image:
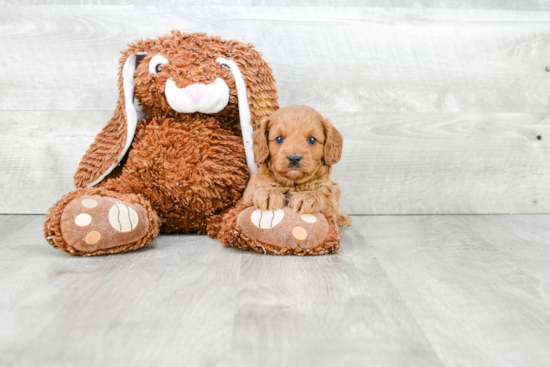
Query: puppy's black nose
[[294, 159]]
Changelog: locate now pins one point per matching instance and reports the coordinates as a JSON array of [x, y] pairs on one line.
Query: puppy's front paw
[[268, 199], [343, 220], [305, 203]]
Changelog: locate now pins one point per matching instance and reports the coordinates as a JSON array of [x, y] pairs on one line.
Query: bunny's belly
[[189, 169]]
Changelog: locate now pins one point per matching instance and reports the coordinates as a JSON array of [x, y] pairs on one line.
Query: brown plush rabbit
[[182, 167]]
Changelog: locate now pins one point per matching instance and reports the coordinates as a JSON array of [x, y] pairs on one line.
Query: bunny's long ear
[[112, 143], [256, 92]]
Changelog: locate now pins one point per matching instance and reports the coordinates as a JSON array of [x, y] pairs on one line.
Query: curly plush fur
[[186, 170], [192, 60]]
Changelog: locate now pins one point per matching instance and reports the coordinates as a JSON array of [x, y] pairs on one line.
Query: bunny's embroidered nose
[[195, 92], [205, 98]]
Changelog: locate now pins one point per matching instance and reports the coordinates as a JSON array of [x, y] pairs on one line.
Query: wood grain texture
[[477, 303], [393, 163], [332, 58], [40, 151], [451, 4], [156, 305], [443, 163], [403, 290], [440, 103], [337, 310]]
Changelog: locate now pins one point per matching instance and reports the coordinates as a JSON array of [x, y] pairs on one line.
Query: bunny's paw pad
[[91, 223], [284, 228]]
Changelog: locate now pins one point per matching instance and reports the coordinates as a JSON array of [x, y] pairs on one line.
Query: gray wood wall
[[441, 104]]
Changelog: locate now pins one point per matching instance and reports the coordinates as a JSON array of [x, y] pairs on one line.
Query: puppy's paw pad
[[266, 218]]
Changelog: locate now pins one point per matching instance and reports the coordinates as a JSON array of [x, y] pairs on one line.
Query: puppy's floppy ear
[[261, 143], [333, 143]]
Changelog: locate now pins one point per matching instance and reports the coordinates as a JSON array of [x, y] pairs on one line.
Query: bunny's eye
[[279, 140], [312, 141], [156, 64]]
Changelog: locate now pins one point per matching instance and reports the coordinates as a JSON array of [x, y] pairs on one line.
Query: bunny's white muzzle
[[205, 98]]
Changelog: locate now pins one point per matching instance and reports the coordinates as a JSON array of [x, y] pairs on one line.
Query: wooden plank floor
[[403, 291]]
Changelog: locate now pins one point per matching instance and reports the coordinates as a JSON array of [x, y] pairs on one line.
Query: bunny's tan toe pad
[[91, 223]]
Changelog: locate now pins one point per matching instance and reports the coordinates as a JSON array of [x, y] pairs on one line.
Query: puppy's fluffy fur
[[305, 185]]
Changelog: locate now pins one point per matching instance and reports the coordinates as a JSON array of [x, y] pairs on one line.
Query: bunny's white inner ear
[[244, 113], [131, 115]]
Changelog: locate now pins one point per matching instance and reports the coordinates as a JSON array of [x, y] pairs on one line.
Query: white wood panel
[[451, 4], [335, 59], [393, 163], [402, 291], [440, 107], [444, 163], [39, 153]]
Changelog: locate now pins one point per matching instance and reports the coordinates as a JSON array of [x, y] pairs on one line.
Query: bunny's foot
[[96, 221], [280, 232]]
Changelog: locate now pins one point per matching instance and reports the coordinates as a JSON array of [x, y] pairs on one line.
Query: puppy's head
[[297, 141]]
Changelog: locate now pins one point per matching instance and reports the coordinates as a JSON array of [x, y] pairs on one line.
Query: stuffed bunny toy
[[185, 164], [182, 168]]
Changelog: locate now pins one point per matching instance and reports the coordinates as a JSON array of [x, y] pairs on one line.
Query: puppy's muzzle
[[294, 159]]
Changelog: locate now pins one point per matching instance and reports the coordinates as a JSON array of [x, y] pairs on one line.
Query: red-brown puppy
[[295, 149]]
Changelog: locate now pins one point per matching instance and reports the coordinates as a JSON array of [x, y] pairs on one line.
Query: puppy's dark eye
[[312, 141], [158, 68], [279, 140]]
